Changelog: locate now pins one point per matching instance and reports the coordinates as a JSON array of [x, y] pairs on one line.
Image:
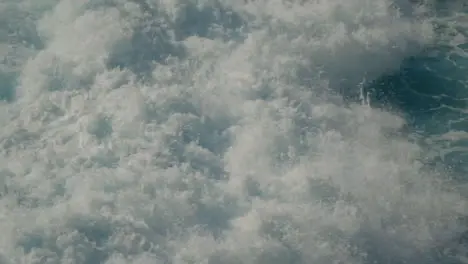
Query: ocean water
[[233, 132]]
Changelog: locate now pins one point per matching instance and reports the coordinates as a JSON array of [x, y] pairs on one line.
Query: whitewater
[[233, 132]]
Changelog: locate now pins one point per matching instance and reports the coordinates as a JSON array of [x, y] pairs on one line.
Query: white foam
[[215, 132]]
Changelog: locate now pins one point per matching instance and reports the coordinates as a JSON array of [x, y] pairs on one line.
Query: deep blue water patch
[[432, 95], [7, 87]]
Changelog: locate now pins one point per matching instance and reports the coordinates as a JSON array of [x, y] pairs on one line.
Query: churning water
[[232, 131]]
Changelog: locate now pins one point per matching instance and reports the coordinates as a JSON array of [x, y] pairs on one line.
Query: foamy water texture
[[224, 132]]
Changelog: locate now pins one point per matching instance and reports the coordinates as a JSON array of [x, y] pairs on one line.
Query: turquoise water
[[221, 131]]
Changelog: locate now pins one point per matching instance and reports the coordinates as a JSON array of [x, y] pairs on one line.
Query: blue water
[[221, 131]]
